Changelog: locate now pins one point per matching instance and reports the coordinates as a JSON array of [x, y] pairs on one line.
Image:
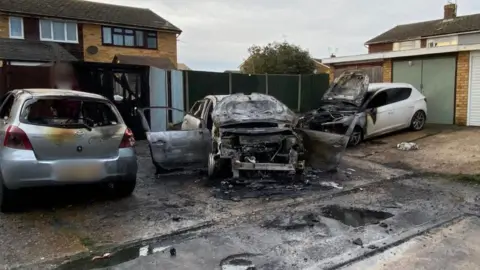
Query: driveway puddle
[[354, 217]]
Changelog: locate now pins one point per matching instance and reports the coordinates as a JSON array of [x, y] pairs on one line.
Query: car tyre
[[418, 121], [7, 198], [356, 138], [124, 188]]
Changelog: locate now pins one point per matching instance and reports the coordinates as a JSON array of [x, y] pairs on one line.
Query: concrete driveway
[[442, 149]]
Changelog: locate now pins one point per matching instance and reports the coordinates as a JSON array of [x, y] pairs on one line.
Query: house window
[[443, 41], [407, 45], [125, 37], [16, 27], [58, 31]]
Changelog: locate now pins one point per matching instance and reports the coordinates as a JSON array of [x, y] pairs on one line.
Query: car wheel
[[123, 188], [418, 121], [356, 137], [7, 197]]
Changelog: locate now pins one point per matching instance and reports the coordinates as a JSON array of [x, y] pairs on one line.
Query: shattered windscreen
[[255, 107], [70, 112], [350, 86]]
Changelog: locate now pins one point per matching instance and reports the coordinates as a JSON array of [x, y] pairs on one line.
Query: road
[[330, 221]]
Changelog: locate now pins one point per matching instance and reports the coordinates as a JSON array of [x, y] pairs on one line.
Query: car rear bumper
[[20, 168]]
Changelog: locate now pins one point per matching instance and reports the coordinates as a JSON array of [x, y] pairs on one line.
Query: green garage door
[[435, 78]]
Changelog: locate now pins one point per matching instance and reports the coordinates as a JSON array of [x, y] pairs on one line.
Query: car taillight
[[128, 139], [16, 138]]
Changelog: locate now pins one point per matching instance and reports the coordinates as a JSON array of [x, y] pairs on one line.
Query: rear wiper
[[89, 128]]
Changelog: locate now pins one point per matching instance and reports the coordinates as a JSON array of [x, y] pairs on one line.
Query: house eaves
[[397, 54]]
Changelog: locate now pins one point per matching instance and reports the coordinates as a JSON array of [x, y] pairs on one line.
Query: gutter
[[398, 54]]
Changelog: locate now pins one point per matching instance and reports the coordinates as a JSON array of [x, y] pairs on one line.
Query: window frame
[[64, 29], [10, 27], [367, 106], [146, 34], [390, 94]]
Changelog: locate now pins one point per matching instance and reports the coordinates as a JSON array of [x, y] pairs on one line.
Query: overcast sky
[[217, 33]]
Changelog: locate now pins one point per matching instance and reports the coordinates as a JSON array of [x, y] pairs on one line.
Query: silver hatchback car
[[59, 137]]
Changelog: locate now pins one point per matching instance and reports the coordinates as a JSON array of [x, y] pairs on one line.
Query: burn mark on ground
[[354, 217]]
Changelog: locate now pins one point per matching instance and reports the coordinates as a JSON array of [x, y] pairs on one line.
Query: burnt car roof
[[351, 86], [256, 107]]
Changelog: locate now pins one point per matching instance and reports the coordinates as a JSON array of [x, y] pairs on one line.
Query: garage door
[[474, 96], [435, 78]]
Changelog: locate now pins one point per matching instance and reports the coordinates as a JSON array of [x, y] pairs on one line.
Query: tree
[[278, 58]]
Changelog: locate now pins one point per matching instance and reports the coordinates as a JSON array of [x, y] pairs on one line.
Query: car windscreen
[[69, 112]]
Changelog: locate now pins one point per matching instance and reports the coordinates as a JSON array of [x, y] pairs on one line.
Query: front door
[[175, 149]]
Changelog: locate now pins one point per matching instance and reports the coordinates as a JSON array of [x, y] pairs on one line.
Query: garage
[[473, 115], [435, 78]]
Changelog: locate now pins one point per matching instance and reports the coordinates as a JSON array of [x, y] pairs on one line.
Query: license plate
[[79, 172]]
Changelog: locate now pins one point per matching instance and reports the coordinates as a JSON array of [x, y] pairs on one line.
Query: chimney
[[450, 11]]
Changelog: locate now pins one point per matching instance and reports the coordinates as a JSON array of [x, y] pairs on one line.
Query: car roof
[[41, 92], [373, 87], [216, 97]]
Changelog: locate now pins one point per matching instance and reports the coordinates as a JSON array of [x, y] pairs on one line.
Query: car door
[[6, 104], [378, 114], [192, 119], [402, 107], [175, 149]]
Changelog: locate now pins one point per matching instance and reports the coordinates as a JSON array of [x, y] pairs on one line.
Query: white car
[[201, 110], [382, 108]]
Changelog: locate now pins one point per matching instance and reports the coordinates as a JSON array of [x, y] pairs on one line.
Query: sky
[[217, 33]]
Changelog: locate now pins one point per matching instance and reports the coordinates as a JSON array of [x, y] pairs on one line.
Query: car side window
[[197, 109], [7, 106], [398, 94], [379, 100]]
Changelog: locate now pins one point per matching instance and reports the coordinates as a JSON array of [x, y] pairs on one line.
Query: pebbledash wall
[[461, 84], [92, 36]]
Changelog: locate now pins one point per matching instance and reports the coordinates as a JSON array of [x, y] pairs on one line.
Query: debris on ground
[[358, 242], [331, 184], [407, 146], [372, 247], [104, 256], [176, 219], [383, 225], [173, 252]]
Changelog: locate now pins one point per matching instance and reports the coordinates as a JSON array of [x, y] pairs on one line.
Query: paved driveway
[[443, 149]]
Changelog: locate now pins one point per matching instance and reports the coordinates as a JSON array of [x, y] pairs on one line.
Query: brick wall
[[387, 70], [461, 94], [4, 29], [383, 47], [92, 36]]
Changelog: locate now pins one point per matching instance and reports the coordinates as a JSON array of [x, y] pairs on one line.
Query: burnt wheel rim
[[355, 138], [418, 120]]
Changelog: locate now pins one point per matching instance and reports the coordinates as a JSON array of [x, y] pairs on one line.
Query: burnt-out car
[[249, 134], [380, 108]]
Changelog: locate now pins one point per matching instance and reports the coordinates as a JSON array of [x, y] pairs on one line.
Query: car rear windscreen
[[68, 112]]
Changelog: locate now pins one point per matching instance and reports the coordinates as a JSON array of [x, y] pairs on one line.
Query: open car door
[[171, 147], [324, 150]]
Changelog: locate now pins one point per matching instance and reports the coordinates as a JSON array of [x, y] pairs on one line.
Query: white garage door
[[474, 93]]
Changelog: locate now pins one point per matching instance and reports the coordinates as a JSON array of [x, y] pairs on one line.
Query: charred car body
[[379, 108], [255, 133], [239, 134]]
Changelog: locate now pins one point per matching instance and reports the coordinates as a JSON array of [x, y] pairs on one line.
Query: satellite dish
[[92, 49]]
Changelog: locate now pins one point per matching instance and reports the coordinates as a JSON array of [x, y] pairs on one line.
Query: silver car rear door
[[172, 147]]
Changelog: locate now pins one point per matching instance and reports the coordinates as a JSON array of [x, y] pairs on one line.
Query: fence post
[[299, 92], [230, 83], [187, 91], [266, 83]]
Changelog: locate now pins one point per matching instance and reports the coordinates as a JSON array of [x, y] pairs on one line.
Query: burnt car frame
[[381, 108], [250, 133]]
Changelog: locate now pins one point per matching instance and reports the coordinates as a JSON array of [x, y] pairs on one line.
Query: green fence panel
[[247, 84], [313, 88], [201, 84], [285, 89]]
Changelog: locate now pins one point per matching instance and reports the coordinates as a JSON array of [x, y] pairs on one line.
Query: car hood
[[350, 86], [241, 108]]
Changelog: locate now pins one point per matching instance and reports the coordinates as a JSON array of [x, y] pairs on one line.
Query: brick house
[[441, 58], [84, 31]]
